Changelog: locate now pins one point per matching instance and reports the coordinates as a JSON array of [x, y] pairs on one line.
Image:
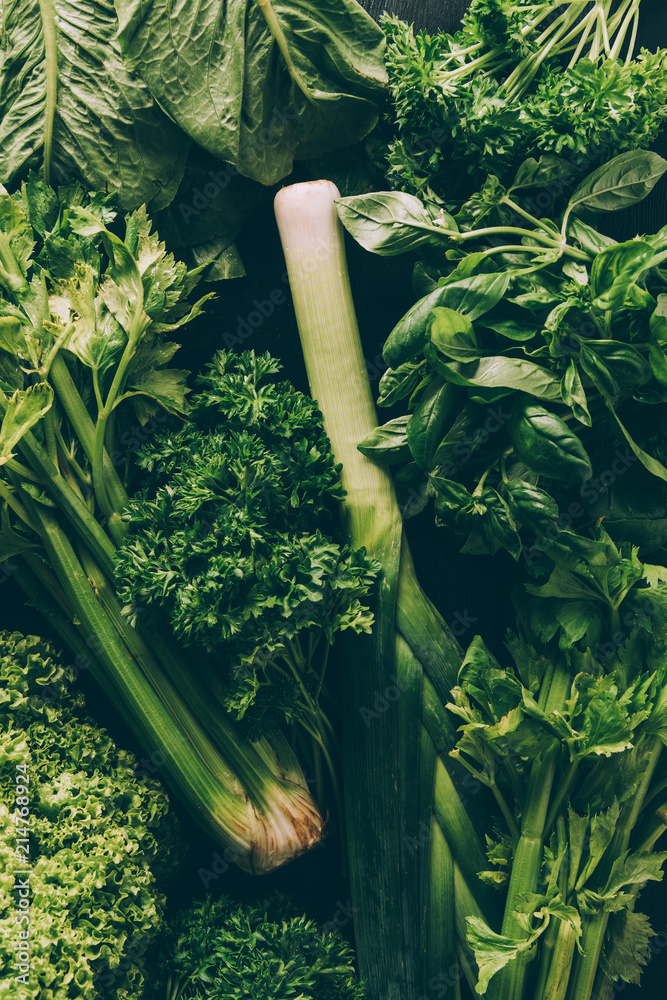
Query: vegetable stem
[[48, 18], [509, 982], [276, 30], [595, 926]]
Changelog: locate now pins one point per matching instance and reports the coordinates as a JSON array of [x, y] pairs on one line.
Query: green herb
[[228, 543], [221, 950], [551, 450], [518, 79], [86, 315]]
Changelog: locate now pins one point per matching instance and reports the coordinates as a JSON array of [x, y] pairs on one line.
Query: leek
[[382, 769]]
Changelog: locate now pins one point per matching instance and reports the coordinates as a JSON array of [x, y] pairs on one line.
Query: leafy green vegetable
[[543, 442], [588, 709], [228, 543], [96, 846], [518, 79], [560, 382], [220, 949], [86, 378], [68, 102], [259, 84]]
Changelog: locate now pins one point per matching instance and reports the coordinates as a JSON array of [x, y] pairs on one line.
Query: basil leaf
[[397, 383], [452, 334], [588, 238], [80, 107], [255, 90], [493, 521], [620, 183], [471, 296], [531, 506], [533, 293], [431, 419], [546, 445], [424, 279], [615, 270], [499, 372], [612, 365], [390, 222], [388, 444], [635, 510], [658, 320], [658, 362], [412, 490], [578, 272], [542, 173], [574, 395], [648, 461], [453, 503], [513, 329]]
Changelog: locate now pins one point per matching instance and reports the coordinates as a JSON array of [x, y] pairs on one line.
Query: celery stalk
[[262, 819]]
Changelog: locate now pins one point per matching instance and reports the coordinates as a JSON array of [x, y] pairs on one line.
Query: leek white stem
[[314, 252]]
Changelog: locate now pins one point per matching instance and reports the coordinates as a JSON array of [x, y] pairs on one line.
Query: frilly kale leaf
[[220, 950], [227, 539], [101, 837]]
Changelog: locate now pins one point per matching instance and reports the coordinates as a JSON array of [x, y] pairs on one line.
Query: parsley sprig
[[518, 79]]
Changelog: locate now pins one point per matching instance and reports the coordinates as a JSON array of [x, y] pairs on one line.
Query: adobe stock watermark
[[342, 916], [204, 195], [262, 310]]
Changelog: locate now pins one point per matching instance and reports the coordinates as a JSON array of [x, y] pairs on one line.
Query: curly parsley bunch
[[517, 80], [222, 950], [231, 541]]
